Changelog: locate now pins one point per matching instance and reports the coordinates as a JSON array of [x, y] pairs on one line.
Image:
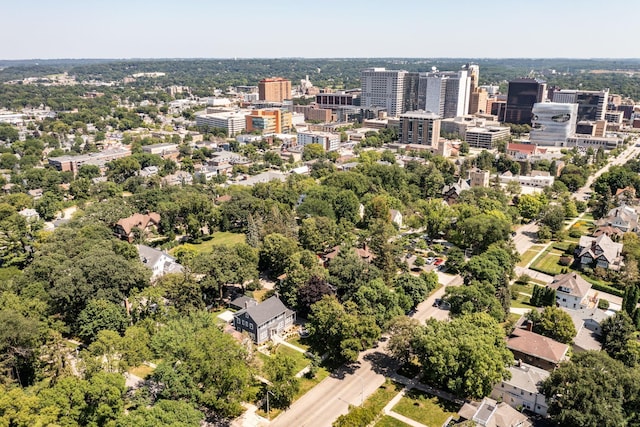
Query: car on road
[[438, 261], [437, 302]]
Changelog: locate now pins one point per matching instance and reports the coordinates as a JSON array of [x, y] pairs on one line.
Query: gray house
[[264, 320]]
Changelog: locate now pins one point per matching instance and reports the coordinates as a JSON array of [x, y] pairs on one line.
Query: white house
[[160, 263], [571, 290], [396, 217], [521, 391]]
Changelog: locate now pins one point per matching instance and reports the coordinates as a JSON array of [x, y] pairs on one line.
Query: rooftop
[[265, 311], [536, 345]]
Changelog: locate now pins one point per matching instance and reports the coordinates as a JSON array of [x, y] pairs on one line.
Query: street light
[[268, 413]]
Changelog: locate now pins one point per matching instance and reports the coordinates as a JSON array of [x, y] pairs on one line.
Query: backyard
[[218, 238], [425, 408]]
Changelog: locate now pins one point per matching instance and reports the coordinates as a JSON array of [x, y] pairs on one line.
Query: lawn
[[388, 421], [382, 396], [425, 408], [527, 257], [301, 360], [217, 239], [548, 262], [299, 342], [142, 371]]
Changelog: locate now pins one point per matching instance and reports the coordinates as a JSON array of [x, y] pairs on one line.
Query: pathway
[[279, 340]]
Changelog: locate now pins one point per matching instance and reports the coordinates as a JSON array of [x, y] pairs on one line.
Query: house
[[522, 152], [146, 223], [599, 252], [451, 193], [613, 233], [242, 302], [626, 194], [536, 350], [571, 290], [149, 171], [264, 320], [490, 413], [30, 214], [624, 218], [396, 217], [521, 391], [160, 263], [587, 322], [364, 253], [178, 178]]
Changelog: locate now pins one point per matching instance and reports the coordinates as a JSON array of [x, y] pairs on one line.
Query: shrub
[[565, 261], [575, 233], [603, 304]]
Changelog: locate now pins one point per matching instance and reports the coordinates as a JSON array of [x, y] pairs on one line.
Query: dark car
[[437, 302]]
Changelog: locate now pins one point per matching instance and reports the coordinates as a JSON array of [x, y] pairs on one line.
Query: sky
[[46, 29]]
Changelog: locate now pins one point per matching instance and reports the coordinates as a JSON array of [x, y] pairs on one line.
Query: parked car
[[430, 260], [437, 302], [438, 261]]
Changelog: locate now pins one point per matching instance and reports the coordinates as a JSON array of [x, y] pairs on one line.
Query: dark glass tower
[[521, 96]]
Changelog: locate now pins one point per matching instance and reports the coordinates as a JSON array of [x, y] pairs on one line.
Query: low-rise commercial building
[[232, 121], [329, 141], [486, 137]]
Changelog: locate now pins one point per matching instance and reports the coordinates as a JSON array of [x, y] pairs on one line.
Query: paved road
[[332, 397]]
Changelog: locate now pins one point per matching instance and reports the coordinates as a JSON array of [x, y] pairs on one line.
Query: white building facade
[[552, 123], [383, 88]]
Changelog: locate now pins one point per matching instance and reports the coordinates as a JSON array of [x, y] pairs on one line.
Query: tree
[[100, 315], [317, 234], [592, 390], [275, 252], [480, 231], [631, 298], [281, 371], [553, 217], [310, 293], [162, 413], [529, 206], [467, 355], [312, 151], [543, 296], [403, 331], [617, 331], [554, 323], [20, 339], [346, 206], [455, 260]]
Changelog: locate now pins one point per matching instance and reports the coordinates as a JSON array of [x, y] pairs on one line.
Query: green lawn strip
[[526, 257], [383, 395], [388, 421], [520, 303], [299, 342], [301, 360], [588, 217], [518, 288], [218, 238], [425, 408]]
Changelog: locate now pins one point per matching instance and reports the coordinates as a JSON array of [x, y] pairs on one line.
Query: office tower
[[521, 96], [444, 93], [410, 94], [419, 127], [592, 105], [383, 88], [474, 75], [273, 120], [274, 89], [478, 101], [552, 123]]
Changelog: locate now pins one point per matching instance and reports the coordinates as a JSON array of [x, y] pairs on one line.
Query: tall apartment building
[[521, 96], [592, 105], [552, 123], [444, 93], [419, 127], [274, 89], [411, 90], [383, 88], [273, 120]]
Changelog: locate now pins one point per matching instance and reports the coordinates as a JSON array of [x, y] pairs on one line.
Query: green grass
[[259, 294], [527, 257], [299, 342], [514, 317], [548, 262], [521, 302], [388, 421], [588, 216], [378, 400], [218, 238], [527, 289], [425, 408], [301, 360]]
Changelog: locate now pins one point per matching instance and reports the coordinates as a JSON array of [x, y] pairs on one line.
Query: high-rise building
[[419, 127], [552, 123], [274, 89], [444, 93], [592, 105], [478, 101], [521, 96], [410, 94], [383, 88], [474, 75]]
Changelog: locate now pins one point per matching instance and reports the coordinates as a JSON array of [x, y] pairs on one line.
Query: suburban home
[[536, 350], [521, 391], [264, 320], [623, 217], [242, 302], [396, 217], [587, 322], [364, 253], [626, 194], [451, 193], [613, 233], [490, 413], [571, 290], [599, 252], [523, 152], [160, 263], [178, 178], [146, 223]]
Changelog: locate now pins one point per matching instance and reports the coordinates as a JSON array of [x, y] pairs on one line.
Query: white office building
[[329, 141], [445, 93], [383, 88], [552, 123], [233, 121]]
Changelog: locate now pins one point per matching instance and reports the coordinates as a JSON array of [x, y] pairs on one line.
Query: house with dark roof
[[571, 290], [146, 223], [242, 302], [600, 251], [451, 193], [159, 262], [264, 320], [537, 350]]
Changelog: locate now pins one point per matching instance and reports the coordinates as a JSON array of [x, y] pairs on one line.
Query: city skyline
[[282, 29]]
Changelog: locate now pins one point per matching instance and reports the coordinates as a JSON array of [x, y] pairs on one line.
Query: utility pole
[[268, 414]]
